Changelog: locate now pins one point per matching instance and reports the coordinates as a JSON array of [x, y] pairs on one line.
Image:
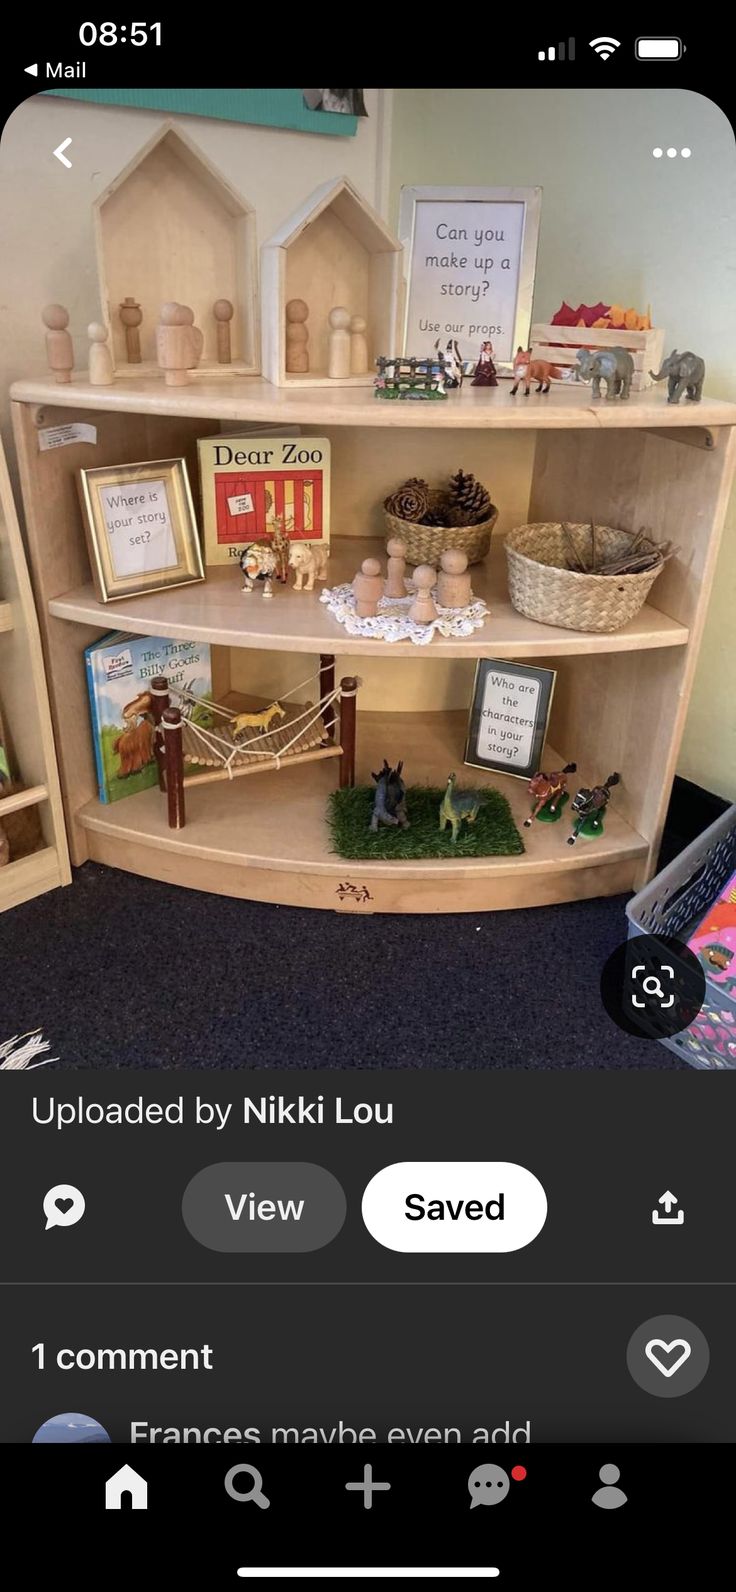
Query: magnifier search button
[[254, 1494]]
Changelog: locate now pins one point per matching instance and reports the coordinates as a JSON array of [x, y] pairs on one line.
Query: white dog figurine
[[310, 563]]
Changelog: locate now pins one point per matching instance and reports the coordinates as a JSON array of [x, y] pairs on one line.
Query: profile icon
[[609, 1496], [71, 1428]]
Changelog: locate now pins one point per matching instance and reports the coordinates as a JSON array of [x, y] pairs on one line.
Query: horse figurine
[[546, 790], [389, 802], [458, 807], [589, 806], [256, 721]]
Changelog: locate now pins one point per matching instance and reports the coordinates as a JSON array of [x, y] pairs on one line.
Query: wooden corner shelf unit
[[620, 699]]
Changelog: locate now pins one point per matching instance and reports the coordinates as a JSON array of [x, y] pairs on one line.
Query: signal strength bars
[[558, 52]]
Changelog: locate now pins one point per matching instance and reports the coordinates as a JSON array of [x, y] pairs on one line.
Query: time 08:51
[[119, 33]]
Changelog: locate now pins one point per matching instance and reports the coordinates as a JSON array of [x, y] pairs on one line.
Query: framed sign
[[509, 715], [471, 254], [141, 530]]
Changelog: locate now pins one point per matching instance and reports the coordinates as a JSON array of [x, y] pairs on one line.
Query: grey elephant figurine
[[614, 366], [683, 371]]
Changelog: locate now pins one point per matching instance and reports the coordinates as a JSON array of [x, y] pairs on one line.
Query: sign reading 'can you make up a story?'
[[509, 714]]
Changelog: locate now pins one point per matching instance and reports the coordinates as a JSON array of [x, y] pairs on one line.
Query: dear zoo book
[[120, 668], [248, 482]]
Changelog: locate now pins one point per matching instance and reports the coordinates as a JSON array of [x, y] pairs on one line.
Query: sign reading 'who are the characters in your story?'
[[472, 256], [509, 714]]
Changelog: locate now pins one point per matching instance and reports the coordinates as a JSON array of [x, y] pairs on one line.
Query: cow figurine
[[589, 807], [258, 562], [451, 364]]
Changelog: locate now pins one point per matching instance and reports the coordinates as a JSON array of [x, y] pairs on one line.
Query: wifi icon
[[605, 47]]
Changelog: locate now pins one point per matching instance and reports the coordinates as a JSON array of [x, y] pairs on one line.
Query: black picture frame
[[524, 674]]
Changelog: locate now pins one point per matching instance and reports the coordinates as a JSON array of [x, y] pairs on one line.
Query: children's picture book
[[714, 939], [120, 668], [250, 483]]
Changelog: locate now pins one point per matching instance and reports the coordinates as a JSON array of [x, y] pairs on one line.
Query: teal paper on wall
[[265, 107]]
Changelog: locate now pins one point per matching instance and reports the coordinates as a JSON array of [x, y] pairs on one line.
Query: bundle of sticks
[[641, 554]]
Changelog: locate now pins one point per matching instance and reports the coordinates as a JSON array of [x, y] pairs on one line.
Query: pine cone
[[409, 502], [469, 500]]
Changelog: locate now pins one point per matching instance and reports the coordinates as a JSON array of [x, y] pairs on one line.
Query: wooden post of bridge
[[171, 724], [159, 694], [348, 694], [326, 687]]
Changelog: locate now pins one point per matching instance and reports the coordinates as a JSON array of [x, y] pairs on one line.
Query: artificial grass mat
[[494, 833]]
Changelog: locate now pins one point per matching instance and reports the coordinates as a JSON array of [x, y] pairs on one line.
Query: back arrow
[[668, 1200], [59, 153]]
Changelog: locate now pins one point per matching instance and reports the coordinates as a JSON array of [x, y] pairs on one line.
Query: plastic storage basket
[[670, 904]]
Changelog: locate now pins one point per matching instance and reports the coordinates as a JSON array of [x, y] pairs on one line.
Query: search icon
[[255, 1494]]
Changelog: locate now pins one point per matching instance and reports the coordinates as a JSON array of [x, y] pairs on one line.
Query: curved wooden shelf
[[268, 840], [237, 398], [218, 611]]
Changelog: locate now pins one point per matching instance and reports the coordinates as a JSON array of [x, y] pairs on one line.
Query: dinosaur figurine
[[456, 807], [684, 373], [389, 802]]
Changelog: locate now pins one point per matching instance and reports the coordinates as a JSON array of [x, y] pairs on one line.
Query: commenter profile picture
[[71, 1428]]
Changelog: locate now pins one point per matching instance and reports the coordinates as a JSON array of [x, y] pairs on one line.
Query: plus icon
[[367, 1486]]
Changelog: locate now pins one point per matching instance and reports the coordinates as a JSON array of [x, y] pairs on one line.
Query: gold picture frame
[[141, 528]]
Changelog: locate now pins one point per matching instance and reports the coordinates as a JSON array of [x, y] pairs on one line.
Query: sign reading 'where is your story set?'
[[509, 715]]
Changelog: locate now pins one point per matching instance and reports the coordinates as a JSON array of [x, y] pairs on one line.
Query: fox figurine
[[528, 370]]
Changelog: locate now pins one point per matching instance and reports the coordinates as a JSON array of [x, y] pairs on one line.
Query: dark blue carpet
[[121, 971]]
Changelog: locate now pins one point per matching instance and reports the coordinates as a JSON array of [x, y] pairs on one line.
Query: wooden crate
[[561, 343]]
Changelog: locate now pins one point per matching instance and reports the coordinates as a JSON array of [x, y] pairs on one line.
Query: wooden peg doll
[[101, 373], [423, 609], [339, 357], [59, 347], [178, 343], [223, 312], [358, 346], [131, 316], [396, 550], [453, 581], [297, 337], [368, 588]]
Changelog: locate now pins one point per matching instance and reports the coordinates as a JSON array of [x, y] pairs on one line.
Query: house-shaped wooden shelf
[[171, 227], [333, 250]]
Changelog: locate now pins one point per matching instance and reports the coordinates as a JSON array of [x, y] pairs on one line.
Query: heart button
[[656, 1351], [63, 1206]]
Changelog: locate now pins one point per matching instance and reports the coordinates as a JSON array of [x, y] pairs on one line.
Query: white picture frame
[[428, 216]]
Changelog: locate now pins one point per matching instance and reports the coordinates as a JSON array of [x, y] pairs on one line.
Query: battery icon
[[659, 49]]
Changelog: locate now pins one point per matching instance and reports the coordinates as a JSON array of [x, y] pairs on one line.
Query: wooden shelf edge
[[23, 798], [6, 617], [31, 876]]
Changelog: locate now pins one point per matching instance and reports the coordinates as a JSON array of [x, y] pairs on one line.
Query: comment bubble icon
[[487, 1484], [63, 1206]]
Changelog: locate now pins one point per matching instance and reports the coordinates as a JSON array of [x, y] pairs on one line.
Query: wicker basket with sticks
[[582, 577]]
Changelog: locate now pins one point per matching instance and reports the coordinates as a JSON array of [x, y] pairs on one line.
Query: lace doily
[[392, 622]]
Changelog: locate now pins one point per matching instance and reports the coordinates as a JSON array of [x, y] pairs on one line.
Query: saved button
[[454, 1207]]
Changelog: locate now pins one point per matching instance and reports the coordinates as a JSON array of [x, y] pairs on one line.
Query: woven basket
[[425, 543], [542, 588]]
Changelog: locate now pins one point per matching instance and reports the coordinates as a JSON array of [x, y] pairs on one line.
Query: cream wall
[[617, 225]]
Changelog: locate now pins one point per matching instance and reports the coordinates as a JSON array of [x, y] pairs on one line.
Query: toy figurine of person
[[484, 374]]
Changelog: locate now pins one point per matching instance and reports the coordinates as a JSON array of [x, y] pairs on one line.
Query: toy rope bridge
[[300, 734]]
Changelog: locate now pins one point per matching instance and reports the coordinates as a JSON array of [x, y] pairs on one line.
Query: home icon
[[126, 1484]]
